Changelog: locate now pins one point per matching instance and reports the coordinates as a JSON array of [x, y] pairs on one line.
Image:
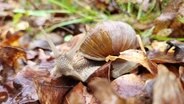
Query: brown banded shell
[[108, 38]]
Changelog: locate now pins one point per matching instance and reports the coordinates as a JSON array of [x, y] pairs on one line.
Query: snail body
[[76, 66], [107, 38]]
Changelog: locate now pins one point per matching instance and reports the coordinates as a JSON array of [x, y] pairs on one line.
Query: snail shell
[[108, 38]]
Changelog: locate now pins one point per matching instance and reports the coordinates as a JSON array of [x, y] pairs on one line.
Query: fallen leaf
[[121, 67], [104, 92], [22, 25], [181, 75], [103, 72], [39, 44], [12, 57], [42, 56], [3, 94], [128, 85], [21, 87], [79, 95], [52, 91], [159, 46], [169, 19], [164, 32], [178, 49], [12, 39], [136, 56], [167, 88], [162, 57], [31, 54]]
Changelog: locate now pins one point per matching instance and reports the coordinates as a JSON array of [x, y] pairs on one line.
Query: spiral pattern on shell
[[108, 38]]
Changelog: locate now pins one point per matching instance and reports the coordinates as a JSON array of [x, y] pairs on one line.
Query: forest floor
[[27, 60]]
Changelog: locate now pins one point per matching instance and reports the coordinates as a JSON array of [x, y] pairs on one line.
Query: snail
[[107, 38]]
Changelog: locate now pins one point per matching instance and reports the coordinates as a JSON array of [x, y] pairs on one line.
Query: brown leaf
[[3, 94], [102, 72], [79, 95], [178, 49], [121, 67], [5, 6], [128, 85], [104, 93], [38, 44], [136, 56], [167, 88], [162, 57], [159, 45], [42, 56], [10, 57], [31, 54], [21, 87], [12, 39], [181, 75], [52, 92], [169, 19], [110, 6]]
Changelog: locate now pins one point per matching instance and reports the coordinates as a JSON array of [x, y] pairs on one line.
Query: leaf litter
[[134, 77]]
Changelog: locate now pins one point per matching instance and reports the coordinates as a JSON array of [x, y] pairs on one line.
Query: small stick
[[141, 44]]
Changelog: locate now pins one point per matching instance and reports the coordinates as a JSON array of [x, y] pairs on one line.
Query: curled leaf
[[79, 95], [3, 94], [12, 39], [104, 92], [167, 88], [169, 18], [128, 85], [102, 72], [52, 92], [11, 57], [181, 75], [121, 67], [136, 56], [178, 49], [162, 57]]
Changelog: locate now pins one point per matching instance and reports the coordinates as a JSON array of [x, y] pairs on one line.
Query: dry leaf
[[21, 87], [12, 57], [104, 93], [178, 49], [3, 94], [121, 67], [79, 95], [52, 92], [181, 75], [169, 19], [164, 32], [12, 39], [42, 56], [159, 46], [136, 56], [103, 72], [167, 88], [38, 44], [162, 57], [31, 54], [128, 85]]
